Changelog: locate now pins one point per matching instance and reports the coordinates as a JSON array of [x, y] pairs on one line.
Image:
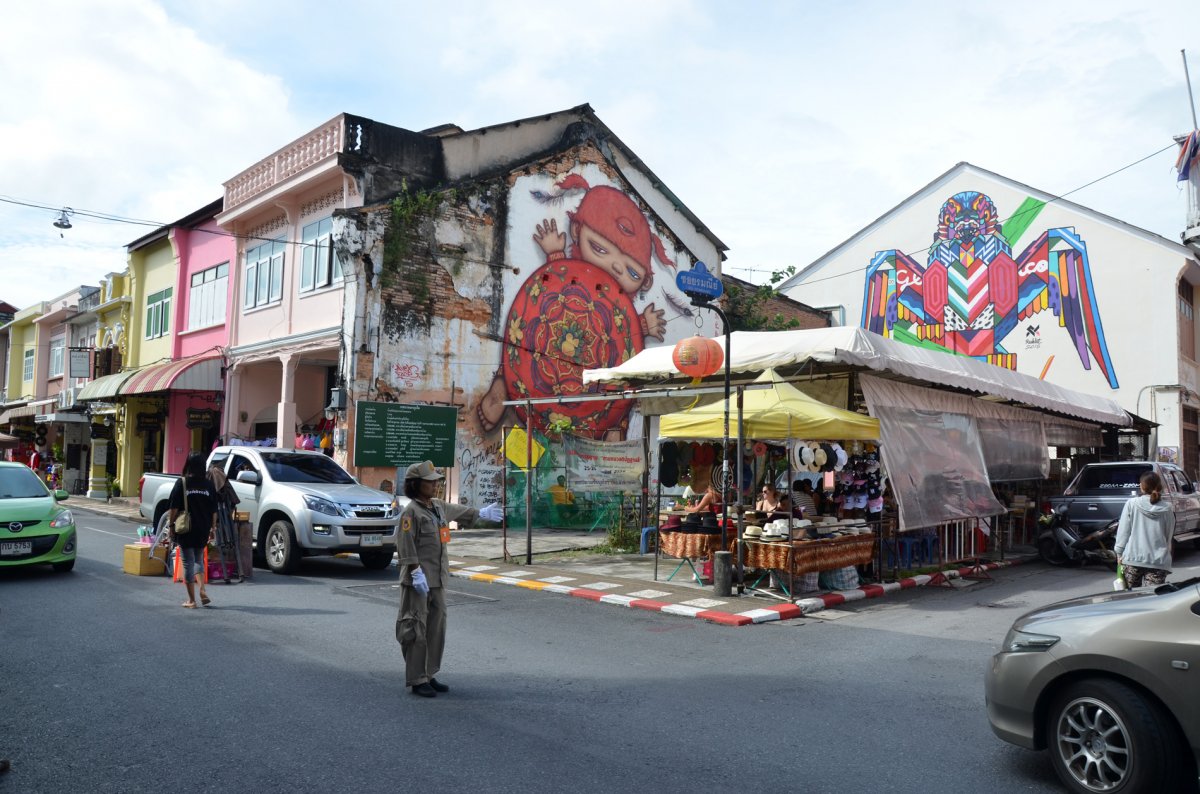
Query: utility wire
[[1051, 200]]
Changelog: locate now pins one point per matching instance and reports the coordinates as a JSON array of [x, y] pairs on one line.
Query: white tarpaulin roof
[[755, 351]]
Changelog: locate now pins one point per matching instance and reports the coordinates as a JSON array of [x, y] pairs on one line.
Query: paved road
[[295, 684]]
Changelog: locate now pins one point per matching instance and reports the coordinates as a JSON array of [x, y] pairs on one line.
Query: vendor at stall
[[774, 504], [806, 499], [709, 503]]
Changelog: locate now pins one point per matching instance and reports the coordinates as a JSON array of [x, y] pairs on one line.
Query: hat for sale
[[830, 457], [422, 471], [820, 458], [752, 531], [841, 457], [673, 522]]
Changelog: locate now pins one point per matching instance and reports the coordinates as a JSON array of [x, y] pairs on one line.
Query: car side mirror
[[61, 495], [247, 476]]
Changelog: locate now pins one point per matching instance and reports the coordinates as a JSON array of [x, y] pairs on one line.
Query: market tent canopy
[[756, 351], [779, 412]]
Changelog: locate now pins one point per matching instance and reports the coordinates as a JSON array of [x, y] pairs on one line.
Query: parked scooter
[[1060, 543]]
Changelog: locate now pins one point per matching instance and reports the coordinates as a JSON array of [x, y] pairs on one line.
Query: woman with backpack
[[192, 520]]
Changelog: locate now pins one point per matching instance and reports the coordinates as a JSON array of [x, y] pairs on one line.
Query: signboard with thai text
[[398, 435], [604, 466]]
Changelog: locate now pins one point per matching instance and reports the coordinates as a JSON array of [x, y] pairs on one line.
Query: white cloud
[[115, 108]]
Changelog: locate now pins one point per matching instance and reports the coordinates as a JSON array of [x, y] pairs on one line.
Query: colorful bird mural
[[971, 292]]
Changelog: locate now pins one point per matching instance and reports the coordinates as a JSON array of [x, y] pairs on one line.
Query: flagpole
[[1191, 99]]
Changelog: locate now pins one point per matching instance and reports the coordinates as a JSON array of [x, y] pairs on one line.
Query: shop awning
[[62, 417], [103, 388], [28, 409], [775, 413], [198, 373], [755, 351]]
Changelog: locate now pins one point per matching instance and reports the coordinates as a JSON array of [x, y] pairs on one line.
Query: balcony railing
[[317, 146]]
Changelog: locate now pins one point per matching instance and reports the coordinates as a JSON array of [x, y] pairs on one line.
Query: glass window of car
[[1178, 482], [290, 467], [239, 463], [18, 482], [1108, 480]]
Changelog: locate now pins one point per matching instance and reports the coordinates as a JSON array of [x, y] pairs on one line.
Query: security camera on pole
[[703, 288]]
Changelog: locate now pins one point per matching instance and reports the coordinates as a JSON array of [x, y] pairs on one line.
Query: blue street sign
[[698, 281]]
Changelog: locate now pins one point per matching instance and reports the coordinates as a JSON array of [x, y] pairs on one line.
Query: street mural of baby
[[576, 311]]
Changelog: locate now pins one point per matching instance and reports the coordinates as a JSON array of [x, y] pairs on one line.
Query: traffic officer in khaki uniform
[[424, 565]]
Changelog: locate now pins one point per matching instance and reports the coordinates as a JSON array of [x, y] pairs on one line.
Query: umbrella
[[7, 441]]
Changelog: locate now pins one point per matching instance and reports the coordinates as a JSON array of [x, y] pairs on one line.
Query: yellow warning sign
[[517, 446]]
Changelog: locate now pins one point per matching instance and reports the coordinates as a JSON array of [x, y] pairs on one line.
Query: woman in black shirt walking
[[201, 506]]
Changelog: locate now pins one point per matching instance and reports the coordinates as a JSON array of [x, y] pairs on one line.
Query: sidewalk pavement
[[565, 563]]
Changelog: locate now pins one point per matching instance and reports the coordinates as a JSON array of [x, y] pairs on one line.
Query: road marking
[[106, 532]]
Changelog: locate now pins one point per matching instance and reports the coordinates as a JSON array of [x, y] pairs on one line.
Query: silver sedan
[[1110, 684]]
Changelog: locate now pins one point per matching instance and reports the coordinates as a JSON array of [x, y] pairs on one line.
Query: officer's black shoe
[[424, 690], [438, 686]]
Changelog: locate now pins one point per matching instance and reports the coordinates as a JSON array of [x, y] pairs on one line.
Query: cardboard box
[[139, 562]]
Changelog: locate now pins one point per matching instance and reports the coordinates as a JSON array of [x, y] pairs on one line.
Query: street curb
[[477, 572], [107, 511]]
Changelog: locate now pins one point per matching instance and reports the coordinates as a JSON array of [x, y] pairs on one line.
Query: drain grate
[[390, 593]]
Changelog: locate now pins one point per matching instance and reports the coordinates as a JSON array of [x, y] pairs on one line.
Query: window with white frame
[[206, 298], [319, 267], [264, 274], [27, 371], [58, 346], [158, 314]]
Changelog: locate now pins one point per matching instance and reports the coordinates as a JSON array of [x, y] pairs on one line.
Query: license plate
[[16, 549], [371, 540]]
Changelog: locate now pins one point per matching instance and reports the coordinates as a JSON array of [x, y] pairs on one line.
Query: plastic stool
[[929, 546], [646, 531], [909, 544]]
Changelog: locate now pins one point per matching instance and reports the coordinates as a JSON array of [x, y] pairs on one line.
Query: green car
[[34, 529]]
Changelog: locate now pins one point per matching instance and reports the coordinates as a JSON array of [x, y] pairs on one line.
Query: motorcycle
[[1059, 542]]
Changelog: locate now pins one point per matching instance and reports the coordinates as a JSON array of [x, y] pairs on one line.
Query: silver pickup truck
[[300, 504], [1099, 492]]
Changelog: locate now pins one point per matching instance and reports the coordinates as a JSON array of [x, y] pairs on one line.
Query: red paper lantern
[[698, 356]]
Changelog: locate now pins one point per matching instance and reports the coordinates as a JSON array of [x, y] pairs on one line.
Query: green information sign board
[[395, 434]]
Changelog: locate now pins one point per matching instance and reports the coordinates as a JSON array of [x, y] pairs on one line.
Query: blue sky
[[785, 127]]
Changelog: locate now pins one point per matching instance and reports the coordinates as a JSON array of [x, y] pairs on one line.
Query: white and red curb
[[697, 608]]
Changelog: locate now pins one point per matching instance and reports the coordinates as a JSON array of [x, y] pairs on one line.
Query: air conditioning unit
[[66, 399]]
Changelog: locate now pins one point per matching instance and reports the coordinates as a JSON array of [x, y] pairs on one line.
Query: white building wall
[[1134, 276]]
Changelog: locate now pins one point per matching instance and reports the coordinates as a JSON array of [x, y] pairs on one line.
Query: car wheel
[[63, 567], [282, 555], [376, 559], [1105, 736]]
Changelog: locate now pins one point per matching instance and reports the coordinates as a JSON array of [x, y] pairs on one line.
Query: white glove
[[419, 583], [492, 512]]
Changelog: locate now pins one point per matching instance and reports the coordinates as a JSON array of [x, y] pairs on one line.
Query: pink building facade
[[204, 255]]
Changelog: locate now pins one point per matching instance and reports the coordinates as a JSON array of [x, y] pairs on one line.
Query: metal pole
[[1191, 99], [725, 478], [741, 521], [646, 477], [528, 484]]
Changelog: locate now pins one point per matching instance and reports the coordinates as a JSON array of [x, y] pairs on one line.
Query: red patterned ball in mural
[[569, 316]]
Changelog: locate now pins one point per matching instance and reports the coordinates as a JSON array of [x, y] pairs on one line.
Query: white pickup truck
[[300, 503]]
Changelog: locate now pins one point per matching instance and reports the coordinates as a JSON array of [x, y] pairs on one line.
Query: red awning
[[200, 374]]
